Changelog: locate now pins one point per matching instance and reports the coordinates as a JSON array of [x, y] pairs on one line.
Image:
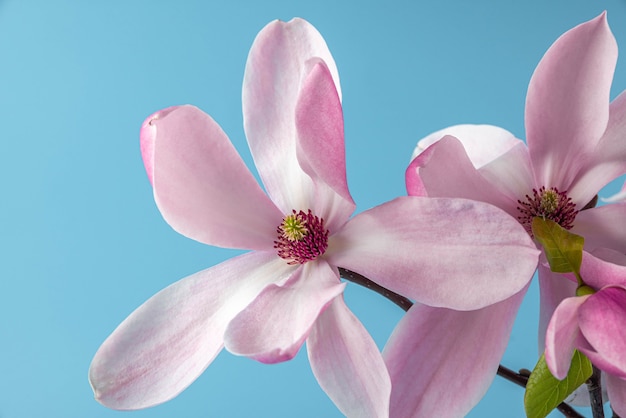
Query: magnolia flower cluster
[[459, 246]]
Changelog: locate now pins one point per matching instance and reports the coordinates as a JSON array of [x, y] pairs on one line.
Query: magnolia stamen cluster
[[548, 204], [302, 237]]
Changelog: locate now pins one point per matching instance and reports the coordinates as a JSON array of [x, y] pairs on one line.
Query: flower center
[[548, 204], [302, 237]]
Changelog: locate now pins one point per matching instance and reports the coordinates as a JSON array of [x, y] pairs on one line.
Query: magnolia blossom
[[575, 146], [266, 303], [595, 325]]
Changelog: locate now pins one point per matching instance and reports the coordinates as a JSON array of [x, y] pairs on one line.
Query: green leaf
[[545, 392], [563, 249]]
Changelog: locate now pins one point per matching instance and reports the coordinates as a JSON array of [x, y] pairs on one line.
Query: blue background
[[81, 241]]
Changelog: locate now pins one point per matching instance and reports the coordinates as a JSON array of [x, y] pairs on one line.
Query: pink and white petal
[[602, 321], [603, 227], [451, 253], [553, 289], [609, 157], [512, 175], [202, 186], [483, 143], [612, 144], [275, 70], [561, 336], [347, 364], [567, 106], [445, 170], [166, 343], [596, 174], [616, 389], [599, 273], [320, 148], [274, 326], [431, 347], [147, 136], [414, 184], [610, 256]]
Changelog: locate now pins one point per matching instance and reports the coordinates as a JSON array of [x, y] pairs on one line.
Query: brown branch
[[594, 386], [521, 379], [353, 277], [404, 303]]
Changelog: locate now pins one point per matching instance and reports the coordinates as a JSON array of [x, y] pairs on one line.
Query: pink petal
[[554, 288], [441, 252], [276, 68], [567, 106], [445, 170], [609, 255], [147, 136], [347, 363], [602, 321], [432, 347], [273, 327], [511, 175], [166, 343], [616, 388], [201, 185], [608, 159], [599, 273], [321, 151], [603, 227], [483, 143], [561, 336]]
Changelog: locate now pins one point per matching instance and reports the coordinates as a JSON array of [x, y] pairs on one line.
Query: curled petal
[[147, 136], [599, 273], [608, 158], [431, 347], [567, 106], [450, 253], [275, 70], [553, 289], [602, 320], [202, 187], [166, 343], [320, 150], [562, 335], [483, 143], [602, 227], [273, 327], [347, 364], [445, 170], [609, 255], [512, 175]]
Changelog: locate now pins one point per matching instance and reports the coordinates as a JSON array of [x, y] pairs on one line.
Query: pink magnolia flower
[[575, 146], [264, 304], [595, 325]]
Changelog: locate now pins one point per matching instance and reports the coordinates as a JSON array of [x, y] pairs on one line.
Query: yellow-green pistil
[[301, 237], [549, 201], [293, 227]]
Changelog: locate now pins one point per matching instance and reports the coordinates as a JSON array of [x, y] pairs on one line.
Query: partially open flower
[[595, 324]]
